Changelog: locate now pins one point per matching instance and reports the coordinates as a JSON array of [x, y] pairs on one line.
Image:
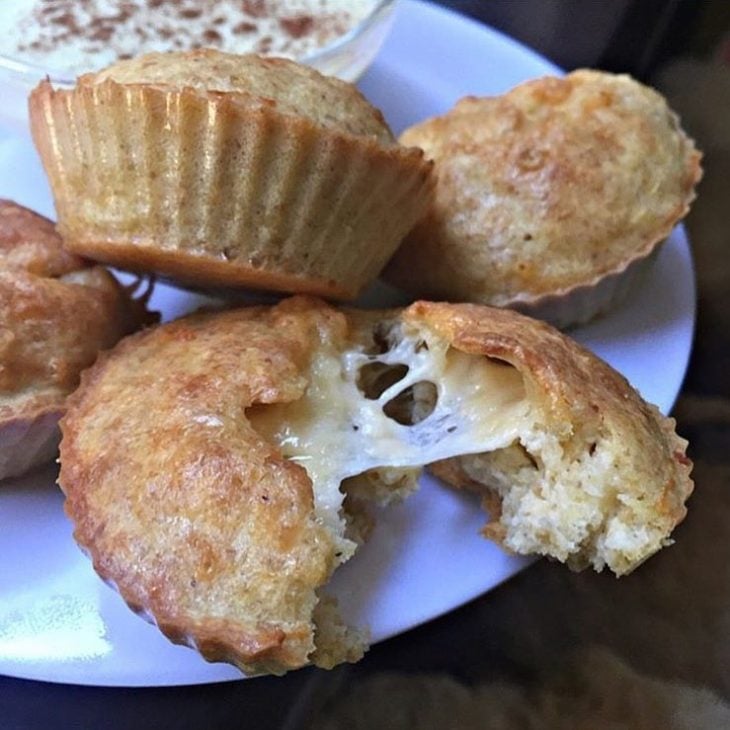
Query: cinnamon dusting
[[82, 35]]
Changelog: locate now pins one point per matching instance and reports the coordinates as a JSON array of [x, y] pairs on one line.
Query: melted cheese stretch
[[335, 432]]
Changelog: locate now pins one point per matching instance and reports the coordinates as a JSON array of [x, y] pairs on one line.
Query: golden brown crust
[[185, 502], [199, 522], [553, 186], [217, 180], [29, 242], [56, 313]]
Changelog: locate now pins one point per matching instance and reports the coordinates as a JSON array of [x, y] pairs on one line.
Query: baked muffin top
[[291, 88], [57, 311], [29, 242], [555, 184]]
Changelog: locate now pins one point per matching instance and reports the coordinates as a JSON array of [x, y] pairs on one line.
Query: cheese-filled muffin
[[211, 465], [550, 198], [221, 170], [57, 312]]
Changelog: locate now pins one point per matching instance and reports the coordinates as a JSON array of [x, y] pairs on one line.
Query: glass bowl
[[346, 57]]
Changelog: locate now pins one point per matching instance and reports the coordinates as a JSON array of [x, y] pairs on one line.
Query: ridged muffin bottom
[[195, 183]]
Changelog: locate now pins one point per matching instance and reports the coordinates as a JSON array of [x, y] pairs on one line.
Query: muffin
[[228, 171], [551, 198], [57, 312], [214, 467]]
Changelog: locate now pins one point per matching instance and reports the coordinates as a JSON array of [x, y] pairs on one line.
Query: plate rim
[[491, 35]]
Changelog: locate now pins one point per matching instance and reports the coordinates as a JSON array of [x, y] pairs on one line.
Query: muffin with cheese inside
[[215, 468]]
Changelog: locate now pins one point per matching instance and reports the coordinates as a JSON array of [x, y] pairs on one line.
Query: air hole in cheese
[[414, 404], [374, 378]]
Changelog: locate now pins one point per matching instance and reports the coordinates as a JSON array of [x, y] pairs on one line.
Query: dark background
[[633, 36]]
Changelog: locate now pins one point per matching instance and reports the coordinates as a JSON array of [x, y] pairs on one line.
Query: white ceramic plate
[[58, 622]]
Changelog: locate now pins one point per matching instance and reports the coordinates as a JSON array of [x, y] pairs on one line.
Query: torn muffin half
[[215, 467]]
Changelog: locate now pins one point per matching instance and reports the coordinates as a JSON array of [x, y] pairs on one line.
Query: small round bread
[[550, 198], [56, 312], [211, 465], [221, 170]]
